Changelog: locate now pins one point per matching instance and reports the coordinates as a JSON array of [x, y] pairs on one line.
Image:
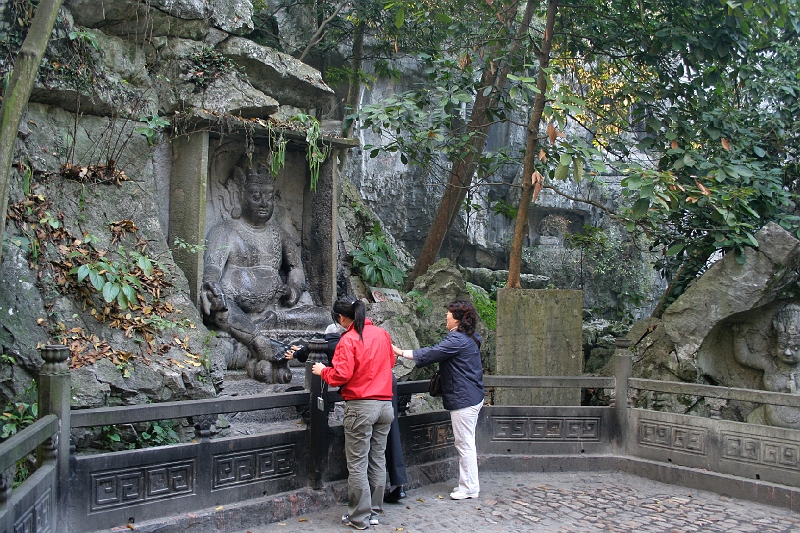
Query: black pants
[[394, 450]]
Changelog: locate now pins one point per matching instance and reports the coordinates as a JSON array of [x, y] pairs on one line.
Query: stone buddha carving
[[252, 277], [781, 366]]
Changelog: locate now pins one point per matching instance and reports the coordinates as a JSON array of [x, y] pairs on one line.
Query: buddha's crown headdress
[[787, 320], [258, 175]]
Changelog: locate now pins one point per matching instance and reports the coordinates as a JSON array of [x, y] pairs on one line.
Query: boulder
[[184, 81], [21, 306], [287, 79], [182, 18], [401, 322], [491, 279], [107, 76], [87, 391], [769, 272]]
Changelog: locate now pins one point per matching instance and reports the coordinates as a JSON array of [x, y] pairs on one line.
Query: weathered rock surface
[[35, 310], [187, 18], [693, 340], [290, 81], [728, 288], [491, 279]]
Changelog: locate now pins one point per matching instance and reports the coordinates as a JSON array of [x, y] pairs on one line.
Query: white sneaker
[[346, 521], [458, 495]]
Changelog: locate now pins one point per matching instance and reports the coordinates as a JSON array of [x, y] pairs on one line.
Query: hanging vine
[[317, 152], [278, 151]]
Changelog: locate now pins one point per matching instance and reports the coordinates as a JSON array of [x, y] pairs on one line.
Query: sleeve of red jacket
[[343, 364]]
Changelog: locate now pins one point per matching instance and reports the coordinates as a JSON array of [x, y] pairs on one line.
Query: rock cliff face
[[86, 259]]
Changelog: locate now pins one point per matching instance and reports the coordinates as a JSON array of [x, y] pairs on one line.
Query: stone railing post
[[318, 415], [54, 398], [622, 371]]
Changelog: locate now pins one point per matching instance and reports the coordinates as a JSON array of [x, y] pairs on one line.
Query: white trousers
[[464, 422]]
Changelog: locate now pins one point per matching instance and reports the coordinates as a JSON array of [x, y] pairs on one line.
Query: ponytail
[[352, 308]]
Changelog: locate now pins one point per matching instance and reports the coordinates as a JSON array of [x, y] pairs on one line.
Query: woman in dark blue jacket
[[461, 370]]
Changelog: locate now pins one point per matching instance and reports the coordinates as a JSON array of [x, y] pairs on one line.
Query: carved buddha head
[[257, 199], [786, 324]]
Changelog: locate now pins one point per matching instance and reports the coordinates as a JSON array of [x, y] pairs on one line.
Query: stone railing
[[100, 491], [34, 505]]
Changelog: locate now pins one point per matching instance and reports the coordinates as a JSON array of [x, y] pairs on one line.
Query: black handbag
[[435, 385]]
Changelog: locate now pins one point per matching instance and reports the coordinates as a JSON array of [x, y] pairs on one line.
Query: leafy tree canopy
[[694, 102]]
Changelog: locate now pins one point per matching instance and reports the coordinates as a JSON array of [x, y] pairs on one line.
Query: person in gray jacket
[[461, 371]]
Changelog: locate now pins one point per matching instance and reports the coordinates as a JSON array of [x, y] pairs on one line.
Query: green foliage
[[86, 36], [503, 208], [156, 433], [155, 125], [424, 124], [612, 269], [20, 241], [116, 280], [590, 239], [125, 368], [24, 468], [277, 151], [160, 324], [376, 260], [206, 65], [316, 152], [50, 220], [707, 91], [191, 248], [486, 307], [16, 417], [423, 304], [710, 91], [159, 434], [109, 437]]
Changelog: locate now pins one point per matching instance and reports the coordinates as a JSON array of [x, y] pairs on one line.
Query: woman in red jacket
[[362, 369]]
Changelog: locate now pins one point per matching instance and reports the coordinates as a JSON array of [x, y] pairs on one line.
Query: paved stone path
[[562, 502]]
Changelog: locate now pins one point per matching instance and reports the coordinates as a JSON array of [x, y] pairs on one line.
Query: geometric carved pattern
[[37, 519], [545, 429], [429, 436], [761, 450], [240, 468], [672, 436], [125, 487]]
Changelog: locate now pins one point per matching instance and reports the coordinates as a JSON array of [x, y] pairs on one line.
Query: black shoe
[[394, 496]]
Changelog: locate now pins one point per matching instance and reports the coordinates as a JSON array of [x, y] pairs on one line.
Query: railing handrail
[[129, 414], [103, 416], [714, 391], [26, 441], [550, 382]]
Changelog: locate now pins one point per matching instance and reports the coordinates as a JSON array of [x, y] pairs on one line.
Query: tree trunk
[[354, 83], [15, 98], [464, 169], [531, 151]]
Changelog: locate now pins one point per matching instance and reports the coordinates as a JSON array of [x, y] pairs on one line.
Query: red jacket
[[362, 369]]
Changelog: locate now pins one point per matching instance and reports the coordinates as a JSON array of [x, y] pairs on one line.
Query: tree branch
[[321, 30]]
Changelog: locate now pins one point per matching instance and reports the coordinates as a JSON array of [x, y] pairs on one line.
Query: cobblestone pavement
[[560, 502]]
